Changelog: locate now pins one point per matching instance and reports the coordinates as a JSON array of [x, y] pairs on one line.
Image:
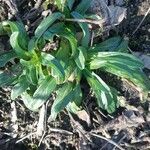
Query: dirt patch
[[128, 128]]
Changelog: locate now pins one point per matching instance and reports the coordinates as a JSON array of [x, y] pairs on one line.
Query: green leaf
[[80, 59], [20, 87], [63, 53], [41, 95], [6, 78], [28, 101], [74, 106], [83, 6], [51, 61], [31, 71], [71, 38], [53, 30], [44, 25], [61, 30], [103, 58], [70, 3], [65, 95], [18, 27], [85, 29], [123, 46], [60, 4], [135, 75], [6, 57], [106, 99], [2, 31], [108, 45], [32, 74], [9, 26], [32, 44], [17, 48]]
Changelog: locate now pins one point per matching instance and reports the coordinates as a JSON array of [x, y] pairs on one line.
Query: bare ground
[[128, 128]]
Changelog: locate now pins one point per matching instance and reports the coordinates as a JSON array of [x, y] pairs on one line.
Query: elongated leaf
[[6, 79], [32, 44], [74, 106], [31, 70], [85, 29], [12, 26], [71, 38], [65, 95], [61, 30], [83, 6], [28, 101], [45, 89], [103, 58], [6, 57], [80, 60], [70, 3], [18, 27], [63, 53], [59, 4], [41, 95], [108, 45], [105, 98], [32, 74], [136, 76], [17, 48], [123, 46], [2, 31], [20, 87], [53, 30], [48, 21], [49, 60]]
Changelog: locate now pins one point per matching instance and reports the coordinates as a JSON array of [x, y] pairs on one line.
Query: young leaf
[[49, 60], [6, 57], [20, 87], [65, 95], [80, 60], [44, 25], [17, 48], [85, 29], [105, 98], [83, 6]]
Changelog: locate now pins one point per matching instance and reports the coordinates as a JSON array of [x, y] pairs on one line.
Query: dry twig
[[96, 22], [110, 141], [41, 128], [141, 21], [14, 118]]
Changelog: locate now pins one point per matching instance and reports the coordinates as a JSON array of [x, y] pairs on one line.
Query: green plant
[[38, 73]]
